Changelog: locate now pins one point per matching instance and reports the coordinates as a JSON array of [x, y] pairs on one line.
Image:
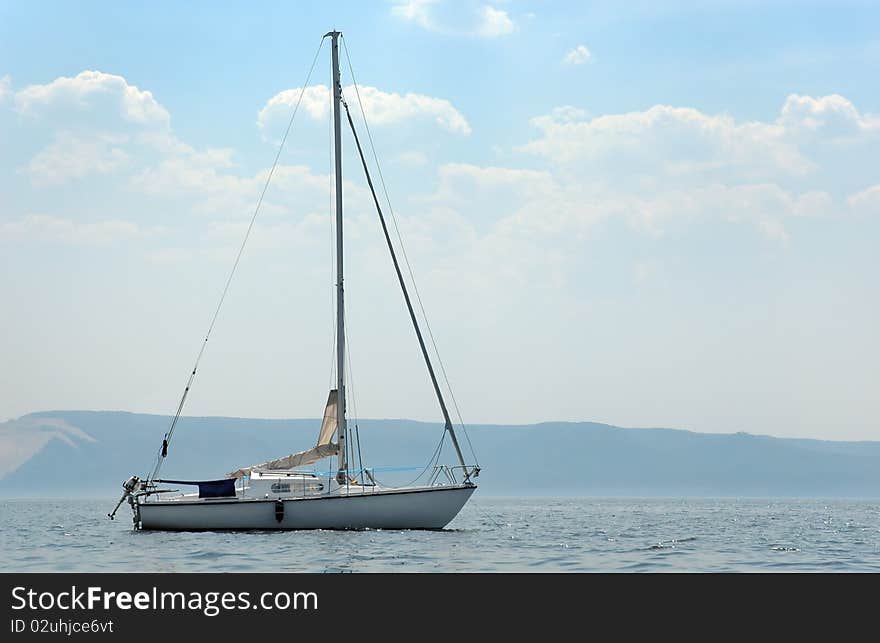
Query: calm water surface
[[490, 535]]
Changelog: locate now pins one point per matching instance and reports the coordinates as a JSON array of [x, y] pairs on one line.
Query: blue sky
[[657, 214]]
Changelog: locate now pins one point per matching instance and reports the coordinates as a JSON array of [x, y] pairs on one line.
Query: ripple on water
[[500, 535]]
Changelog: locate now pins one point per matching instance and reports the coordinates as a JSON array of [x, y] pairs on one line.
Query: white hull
[[412, 508]]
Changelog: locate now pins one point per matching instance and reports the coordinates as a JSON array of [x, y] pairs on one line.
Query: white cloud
[[568, 114], [517, 203], [681, 143], [208, 189], [532, 204], [667, 140], [517, 232], [417, 11], [5, 87], [458, 18], [578, 56], [309, 230], [192, 175], [649, 168], [833, 117], [103, 125], [763, 204], [668, 164], [315, 100], [494, 23], [93, 93], [46, 228], [462, 184], [774, 230], [868, 199], [180, 175], [70, 157], [382, 108]]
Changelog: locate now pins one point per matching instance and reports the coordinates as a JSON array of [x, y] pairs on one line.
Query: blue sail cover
[[210, 488]]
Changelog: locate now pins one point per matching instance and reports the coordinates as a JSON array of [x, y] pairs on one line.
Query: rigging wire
[[354, 404], [350, 388], [431, 463], [163, 450], [405, 257]]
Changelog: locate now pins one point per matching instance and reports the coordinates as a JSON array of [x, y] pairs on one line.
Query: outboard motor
[[131, 484], [129, 487]]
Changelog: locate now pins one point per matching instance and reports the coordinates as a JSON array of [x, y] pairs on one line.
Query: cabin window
[[280, 487]]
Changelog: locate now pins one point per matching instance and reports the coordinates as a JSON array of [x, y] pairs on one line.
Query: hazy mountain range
[[76, 453]]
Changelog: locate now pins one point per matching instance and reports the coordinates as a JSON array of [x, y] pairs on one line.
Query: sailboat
[[282, 493]]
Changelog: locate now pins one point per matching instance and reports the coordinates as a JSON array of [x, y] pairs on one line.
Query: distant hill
[[76, 453]]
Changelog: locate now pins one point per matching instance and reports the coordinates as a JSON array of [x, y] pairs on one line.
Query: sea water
[[489, 535]]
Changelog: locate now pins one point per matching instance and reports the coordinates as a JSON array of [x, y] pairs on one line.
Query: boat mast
[[341, 474]]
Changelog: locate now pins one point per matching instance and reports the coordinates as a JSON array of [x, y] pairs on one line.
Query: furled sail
[[323, 449]]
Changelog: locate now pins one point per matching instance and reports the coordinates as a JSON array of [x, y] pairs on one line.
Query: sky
[[646, 214]]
